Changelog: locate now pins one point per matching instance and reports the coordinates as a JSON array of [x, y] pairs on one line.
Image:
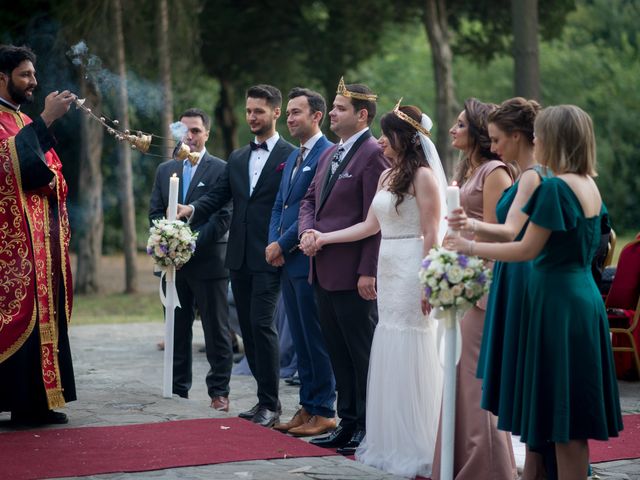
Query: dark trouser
[[317, 386], [348, 322], [211, 298], [256, 295]]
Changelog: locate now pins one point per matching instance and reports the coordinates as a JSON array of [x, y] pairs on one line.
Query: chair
[[611, 248], [623, 304]]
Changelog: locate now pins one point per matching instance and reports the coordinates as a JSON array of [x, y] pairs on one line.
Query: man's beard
[[18, 96]]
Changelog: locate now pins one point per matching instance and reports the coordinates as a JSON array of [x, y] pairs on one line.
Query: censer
[[139, 141]]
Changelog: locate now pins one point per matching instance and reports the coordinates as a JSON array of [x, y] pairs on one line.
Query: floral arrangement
[[451, 279], [171, 242]]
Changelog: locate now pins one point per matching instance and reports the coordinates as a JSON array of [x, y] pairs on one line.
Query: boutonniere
[[280, 167]]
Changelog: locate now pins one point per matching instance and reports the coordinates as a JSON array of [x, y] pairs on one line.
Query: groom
[[344, 275]]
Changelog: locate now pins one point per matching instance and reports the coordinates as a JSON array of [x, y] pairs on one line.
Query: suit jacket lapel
[[330, 180], [200, 171], [270, 165], [307, 160]]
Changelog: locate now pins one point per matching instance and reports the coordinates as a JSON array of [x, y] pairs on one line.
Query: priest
[[36, 373]]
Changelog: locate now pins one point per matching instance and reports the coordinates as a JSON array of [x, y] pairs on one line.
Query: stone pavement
[[119, 377]]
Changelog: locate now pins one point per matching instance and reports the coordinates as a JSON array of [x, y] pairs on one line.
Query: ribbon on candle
[[446, 318], [171, 290]]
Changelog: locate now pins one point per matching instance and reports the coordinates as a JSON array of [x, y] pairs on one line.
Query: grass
[[116, 308]]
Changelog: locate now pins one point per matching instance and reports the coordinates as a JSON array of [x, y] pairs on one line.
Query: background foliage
[[590, 58]]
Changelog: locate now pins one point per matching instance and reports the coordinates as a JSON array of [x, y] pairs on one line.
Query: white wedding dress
[[404, 388]]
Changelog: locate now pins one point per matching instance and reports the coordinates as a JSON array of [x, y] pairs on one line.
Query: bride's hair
[[403, 139]]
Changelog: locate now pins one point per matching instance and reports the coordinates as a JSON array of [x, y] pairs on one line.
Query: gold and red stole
[[26, 267]]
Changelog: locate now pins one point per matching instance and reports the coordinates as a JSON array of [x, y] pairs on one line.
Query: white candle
[[453, 198], [174, 185]]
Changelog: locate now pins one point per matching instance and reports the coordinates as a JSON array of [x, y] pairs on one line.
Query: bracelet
[[474, 225], [472, 243]]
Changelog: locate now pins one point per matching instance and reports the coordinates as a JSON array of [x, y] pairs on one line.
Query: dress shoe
[[249, 414], [220, 403], [265, 417], [336, 439], [300, 418], [350, 448], [317, 425], [293, 381], [181, 394], [46, 417]]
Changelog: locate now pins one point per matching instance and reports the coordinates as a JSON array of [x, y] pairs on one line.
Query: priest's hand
[[56, 105]]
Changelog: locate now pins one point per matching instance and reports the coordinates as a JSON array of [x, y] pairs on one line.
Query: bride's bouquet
[[451, 279], [171, 243]]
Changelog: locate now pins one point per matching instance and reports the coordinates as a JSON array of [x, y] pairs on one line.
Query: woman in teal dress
[[565, 388], [510, 129]]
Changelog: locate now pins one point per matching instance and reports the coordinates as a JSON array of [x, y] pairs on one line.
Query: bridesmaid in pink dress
[[481, 450]]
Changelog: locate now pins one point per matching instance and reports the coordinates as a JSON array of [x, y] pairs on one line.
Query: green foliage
[[116, 308]]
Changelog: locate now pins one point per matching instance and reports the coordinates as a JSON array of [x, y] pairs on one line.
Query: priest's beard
[[19, 96]]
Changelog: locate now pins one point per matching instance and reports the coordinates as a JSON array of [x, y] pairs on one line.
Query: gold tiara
[[342, 90], [403, 116]]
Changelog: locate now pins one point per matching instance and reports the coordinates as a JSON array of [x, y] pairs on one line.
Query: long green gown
[[566, 386]]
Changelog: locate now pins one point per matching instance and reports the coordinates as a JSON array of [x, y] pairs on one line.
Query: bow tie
[[257, 146]]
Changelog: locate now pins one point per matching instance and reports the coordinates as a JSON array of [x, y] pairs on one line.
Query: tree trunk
[[125, 177], [225, 118], [165, 77], [90, 196], [524, 14], [435, 23]]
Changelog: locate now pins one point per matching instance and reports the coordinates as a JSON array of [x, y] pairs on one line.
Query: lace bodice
[[403, 222]]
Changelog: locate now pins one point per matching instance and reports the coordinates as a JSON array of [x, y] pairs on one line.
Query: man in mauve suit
[[305, 112], [203, 280], [344, 274], [251, 180]]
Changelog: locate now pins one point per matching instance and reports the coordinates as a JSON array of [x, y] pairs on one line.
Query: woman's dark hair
[[516, 115], [404, 140], [476, 113]]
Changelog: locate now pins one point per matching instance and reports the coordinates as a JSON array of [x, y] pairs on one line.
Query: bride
[[405, 379]]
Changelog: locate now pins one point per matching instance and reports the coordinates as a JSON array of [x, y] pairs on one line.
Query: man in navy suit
[[251, 180], [203, 280], [305, 113]]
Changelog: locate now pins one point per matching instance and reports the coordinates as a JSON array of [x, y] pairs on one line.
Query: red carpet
[[626, 446], [137, 448]]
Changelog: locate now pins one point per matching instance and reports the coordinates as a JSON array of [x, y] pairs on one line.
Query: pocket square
[[280, 167], [200, 184], [306, 169], [344, 175]]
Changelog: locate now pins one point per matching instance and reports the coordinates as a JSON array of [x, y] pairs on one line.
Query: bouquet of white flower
[[452, 279], [171, 242]]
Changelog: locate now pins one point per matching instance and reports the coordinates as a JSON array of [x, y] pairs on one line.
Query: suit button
[[286, 206]]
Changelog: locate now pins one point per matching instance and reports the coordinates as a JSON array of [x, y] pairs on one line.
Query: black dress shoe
[[336, 439], [265, 417], [249, 414], [293, 381], [46, 417], [350, 447]]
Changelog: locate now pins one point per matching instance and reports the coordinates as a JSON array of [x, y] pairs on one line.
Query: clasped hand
[[311, 242]]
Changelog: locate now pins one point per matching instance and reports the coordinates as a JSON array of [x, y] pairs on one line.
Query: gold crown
[[342, 90], [403, 116]]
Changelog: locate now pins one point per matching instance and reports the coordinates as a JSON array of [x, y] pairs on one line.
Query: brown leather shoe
[[300, 418], [316, 425], [220, 403]]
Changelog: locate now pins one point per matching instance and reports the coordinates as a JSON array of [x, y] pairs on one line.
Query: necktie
[[186, 178], [299, 160], [257, 146], [336, 159]]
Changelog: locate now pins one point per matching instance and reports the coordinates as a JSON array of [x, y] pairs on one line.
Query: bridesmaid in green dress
[[565, 387], [510, 129]]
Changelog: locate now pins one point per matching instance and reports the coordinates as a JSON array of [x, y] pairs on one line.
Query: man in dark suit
[[344, 274], [305, 112], [251, 180], [203, 280]]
